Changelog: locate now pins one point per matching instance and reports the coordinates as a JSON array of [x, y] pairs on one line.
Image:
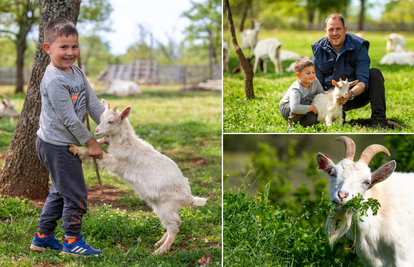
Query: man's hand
[[342, 100], [94, 148]]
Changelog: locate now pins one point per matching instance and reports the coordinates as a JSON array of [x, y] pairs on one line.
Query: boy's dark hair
[[59, 27], [302, 63], [336, 15]]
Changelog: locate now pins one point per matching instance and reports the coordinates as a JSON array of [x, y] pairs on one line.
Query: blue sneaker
[[41, 244], [79, 247]]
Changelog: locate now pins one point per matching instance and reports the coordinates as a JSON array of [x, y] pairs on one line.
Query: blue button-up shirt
[[351, 62]]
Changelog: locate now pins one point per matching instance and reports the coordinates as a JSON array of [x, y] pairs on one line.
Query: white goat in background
[[249, 38], [153, 176], [384, 240], [268, 49], [327, 104], [393, 40], [226, 55], [8, 109]]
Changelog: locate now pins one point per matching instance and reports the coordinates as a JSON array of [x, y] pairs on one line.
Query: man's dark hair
[[335, 15], [59, 27]]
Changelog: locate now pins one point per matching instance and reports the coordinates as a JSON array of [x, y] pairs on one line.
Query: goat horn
[[371, 151], [349, 147], [114, 109], [340, 79], [346, 80]]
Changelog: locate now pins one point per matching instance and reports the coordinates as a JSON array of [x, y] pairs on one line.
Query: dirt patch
[[111, 196], [2, 156], [199, 162]]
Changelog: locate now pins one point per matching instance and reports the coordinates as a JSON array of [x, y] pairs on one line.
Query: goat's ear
[[383, 172], [5, 102], [324, 163], [125, 113], [104, 104], [353, 83], [335, 83]]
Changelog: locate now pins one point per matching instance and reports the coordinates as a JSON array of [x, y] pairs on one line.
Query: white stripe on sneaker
[[75, 248], [79, 250]]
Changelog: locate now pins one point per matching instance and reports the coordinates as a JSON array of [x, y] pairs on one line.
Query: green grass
[[186, 126], [261, 114]]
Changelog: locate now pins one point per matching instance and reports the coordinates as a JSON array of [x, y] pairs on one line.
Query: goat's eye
[[367, 183], [332, 173], [110, 122]]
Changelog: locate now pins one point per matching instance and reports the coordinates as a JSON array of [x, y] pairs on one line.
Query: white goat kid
[[153, 176], [327, 104], [268, 49], [249, 38], [226, 55], [382, 240], [7, 109]]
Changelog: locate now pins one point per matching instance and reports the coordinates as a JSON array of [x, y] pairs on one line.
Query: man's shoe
[[79, 247], [41, 244]]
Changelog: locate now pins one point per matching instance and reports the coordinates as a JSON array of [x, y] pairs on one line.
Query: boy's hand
[[94, 148], [313, 109]]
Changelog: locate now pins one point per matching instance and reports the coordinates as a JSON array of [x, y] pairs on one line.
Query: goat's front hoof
[[73, 149], [159, 251]]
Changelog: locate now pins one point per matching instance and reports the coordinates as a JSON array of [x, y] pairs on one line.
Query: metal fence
[[8, 75]]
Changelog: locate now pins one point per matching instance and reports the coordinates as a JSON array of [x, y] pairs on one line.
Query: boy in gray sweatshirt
[[66, 98], [296, 106]]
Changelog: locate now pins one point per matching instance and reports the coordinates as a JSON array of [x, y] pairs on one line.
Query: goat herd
[[270, 49]]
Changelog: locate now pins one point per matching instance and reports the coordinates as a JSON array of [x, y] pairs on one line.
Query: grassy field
[[185, 126], [261, 114]]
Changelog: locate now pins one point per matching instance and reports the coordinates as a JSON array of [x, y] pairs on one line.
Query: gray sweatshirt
[[296, 93], [66, 97]]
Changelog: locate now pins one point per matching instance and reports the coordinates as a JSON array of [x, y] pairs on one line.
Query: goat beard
[[335, 232]]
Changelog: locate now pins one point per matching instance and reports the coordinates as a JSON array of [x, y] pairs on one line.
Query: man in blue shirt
[[345, 55]]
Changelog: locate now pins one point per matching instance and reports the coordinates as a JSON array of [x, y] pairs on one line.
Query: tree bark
[[361, 16], [22, 173], [248, 71]]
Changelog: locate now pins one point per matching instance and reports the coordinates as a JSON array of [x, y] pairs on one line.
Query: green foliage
[[259, 234], [398, 11], [261, 114]]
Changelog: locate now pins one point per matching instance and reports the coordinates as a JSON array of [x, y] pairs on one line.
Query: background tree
[[361, 16], [248, 71], [22, 173], [206, 27], [17, 18]]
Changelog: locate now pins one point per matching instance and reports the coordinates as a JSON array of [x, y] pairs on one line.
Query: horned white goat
[[153, 176], [384, 240], [268, 49], [8, 109], [250, 37], [327, 105], [226, 55], [393, 40]]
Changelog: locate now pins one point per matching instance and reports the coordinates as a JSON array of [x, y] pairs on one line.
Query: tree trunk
[[248, 71], [246, 8], [361, 16], [210, 52], [310, 10], [22, 173], [21, 47]]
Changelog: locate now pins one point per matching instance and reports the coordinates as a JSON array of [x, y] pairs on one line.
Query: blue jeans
[[68, 195]]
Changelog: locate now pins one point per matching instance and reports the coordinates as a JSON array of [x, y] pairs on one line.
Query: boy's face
[[63, 52], [306, 76]]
